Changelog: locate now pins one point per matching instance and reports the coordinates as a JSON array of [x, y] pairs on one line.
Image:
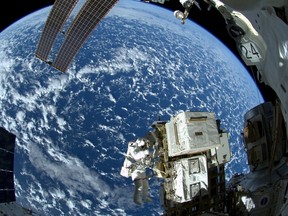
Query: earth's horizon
[[72, 129]]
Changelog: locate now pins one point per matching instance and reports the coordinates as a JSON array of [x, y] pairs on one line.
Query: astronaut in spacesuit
[[140, 153]]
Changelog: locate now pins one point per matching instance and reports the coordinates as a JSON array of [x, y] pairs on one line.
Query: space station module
[[188, 154], [264, 189]]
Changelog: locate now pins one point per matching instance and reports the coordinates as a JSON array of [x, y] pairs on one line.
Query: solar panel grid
[[7, 140], [86, 20], [78, 29], [56, 19], [6, 160], [7, 145], [6, 180]]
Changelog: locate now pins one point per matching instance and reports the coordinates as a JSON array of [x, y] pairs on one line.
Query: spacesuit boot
[[138, 192]]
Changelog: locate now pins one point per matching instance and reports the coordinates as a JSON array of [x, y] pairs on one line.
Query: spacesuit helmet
[[140, 142]]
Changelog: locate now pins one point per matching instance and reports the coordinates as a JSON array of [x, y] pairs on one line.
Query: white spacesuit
[[135, 166], [140, 153]]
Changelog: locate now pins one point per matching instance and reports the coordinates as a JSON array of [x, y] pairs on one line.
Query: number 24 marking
[[247, 52]]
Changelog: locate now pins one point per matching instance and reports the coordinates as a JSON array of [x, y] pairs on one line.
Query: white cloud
[[70, 171]]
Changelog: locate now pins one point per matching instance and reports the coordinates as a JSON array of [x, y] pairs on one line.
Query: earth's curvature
[[72, 128]]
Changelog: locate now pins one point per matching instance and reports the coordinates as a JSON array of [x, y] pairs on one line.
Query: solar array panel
[[6, 180], [7, 159], [56, 19], [85, 22], [7, 145], [7, 140]]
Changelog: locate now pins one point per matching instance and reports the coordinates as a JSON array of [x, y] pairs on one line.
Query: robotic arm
[[187, 4]]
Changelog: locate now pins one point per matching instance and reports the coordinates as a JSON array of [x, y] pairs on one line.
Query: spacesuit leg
[[145, 190], [138, 191]]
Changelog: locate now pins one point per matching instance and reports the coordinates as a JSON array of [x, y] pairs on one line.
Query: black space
[[13, 10]]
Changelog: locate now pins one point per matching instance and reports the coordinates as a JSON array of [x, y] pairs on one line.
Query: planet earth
[[72, 128]]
